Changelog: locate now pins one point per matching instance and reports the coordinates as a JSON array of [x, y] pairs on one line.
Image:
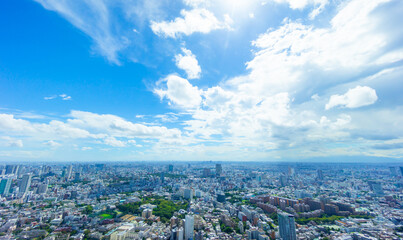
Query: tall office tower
[[218, 169], [320, 174], [170, 168], [401, 171], [69, 171], [5, 185], [291, 171], [162, 177], [206, 172], [189, 226], [287, 226], [393, 171], [43, 188], [180, 233], [19, 170], [25, 183], [10, 169], [376, 187], [188, 194], [77, 176], [283, 181]]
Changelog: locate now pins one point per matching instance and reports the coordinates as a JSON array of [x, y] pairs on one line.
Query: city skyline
[[201, 80]]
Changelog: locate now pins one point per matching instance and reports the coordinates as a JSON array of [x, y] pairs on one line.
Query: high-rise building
[[19, 170], [287, 226], [189, 227], [291, 171], [206, 172], [25, 183], [69, 171], [162, 177], [283, 181], [43, 188], [188, 194], [5, 185], [393, 171], [170, 168], [77, 176], [220, 197], [10, 169], [376, 187], [401, 171], [320, 174], [218, 169]]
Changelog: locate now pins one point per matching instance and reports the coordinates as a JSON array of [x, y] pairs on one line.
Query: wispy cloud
[[62, 96], [94, 19]]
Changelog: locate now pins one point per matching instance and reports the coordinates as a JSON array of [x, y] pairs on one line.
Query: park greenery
[[165, 208]]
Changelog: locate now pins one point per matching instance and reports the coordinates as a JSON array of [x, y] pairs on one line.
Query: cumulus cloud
[[192, 21], [353, 98], [87, 126], [111, 141], [180, 92], [188, 63]]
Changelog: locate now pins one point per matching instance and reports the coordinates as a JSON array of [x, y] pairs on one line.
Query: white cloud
[[108, 124], [196, 3], [180, 92], [188, 63], [86, 148], [52, 143], [93, 18], [353, 98], [111, 141], [15, 143], [62, 96], [50, 98], [192, 21], [65, 97]]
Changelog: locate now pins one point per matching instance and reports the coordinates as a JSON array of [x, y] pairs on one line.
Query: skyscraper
[[283, 181], [320, 174], [393, 171], [170, 168], [287, 226], [218, 169], [5, 185], [25, 183], [189, 226], [10, 169], [69, 171]]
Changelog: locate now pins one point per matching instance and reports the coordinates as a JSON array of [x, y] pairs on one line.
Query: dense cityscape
[[201, 200]]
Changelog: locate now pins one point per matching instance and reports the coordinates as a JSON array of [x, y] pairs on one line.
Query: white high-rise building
[[189, 226], [25, 184], [180, 233], [286, 224], [69, 172], [188, 194]]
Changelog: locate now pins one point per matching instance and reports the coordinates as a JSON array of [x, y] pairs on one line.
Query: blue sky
[[266, 80]]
